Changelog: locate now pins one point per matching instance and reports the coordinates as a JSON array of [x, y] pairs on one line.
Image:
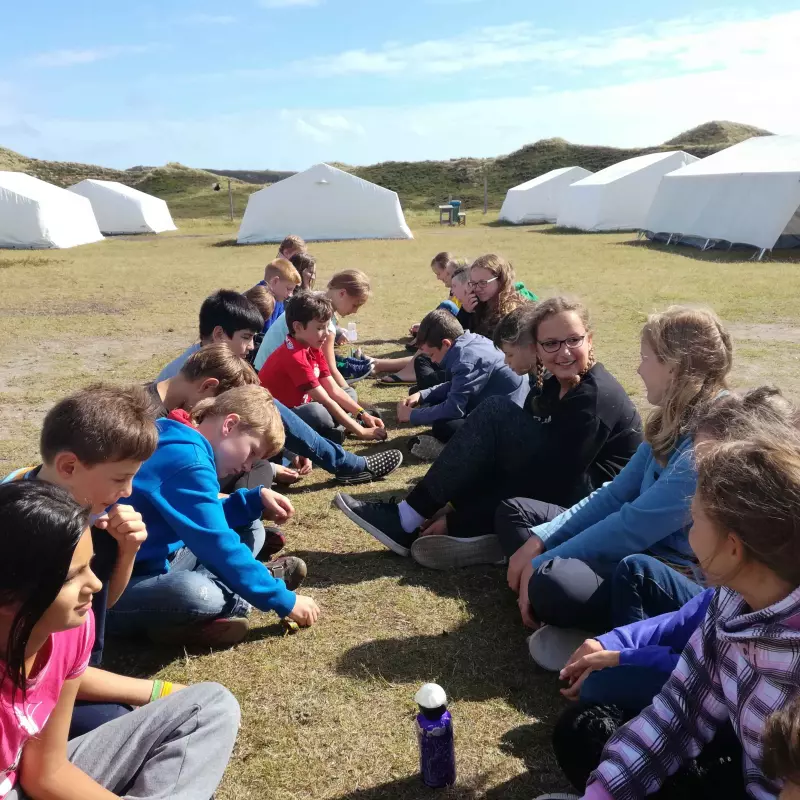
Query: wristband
[[160, 689], [360, 414]]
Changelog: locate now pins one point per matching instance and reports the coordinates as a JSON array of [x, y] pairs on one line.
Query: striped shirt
[[738, 666]]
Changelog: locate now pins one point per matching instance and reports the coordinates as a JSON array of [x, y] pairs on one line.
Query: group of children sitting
[[657, 564]]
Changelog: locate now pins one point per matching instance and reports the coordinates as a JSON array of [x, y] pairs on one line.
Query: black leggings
[[427, 373], [494, 455], [581, 734]]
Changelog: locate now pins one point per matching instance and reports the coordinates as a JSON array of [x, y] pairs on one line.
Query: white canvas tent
[[122, 209], [323, 203], [35, 214], [539, 199], [618, 197], [746, 194]]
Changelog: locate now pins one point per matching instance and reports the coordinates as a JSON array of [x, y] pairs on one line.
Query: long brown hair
[[488, 314], [695, 344]]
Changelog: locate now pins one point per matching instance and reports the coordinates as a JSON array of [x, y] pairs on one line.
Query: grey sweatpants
[[175, 748]]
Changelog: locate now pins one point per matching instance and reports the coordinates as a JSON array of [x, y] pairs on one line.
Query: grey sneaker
[[451, 552], [289, 569], [552, 647], [426, 448], [559, 796]]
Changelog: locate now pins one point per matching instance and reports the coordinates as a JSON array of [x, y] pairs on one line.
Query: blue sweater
[[645, 509], [659, 641], [176, 492], [475, 369]]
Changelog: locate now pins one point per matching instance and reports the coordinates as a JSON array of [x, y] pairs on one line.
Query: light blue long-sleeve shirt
[[475, 369], [645, 509]]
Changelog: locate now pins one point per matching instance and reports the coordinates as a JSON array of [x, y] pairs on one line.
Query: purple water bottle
[[437, 754]]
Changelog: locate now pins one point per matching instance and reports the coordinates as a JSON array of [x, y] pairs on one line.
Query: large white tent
[[35, 214], [746, 194], [618, 197], [323, 203], [539, 199], [122, 209]]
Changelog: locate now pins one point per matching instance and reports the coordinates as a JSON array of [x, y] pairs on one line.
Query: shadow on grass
[[492, 633], [225, 243], [529, 743], [718, 256], [560, 230]]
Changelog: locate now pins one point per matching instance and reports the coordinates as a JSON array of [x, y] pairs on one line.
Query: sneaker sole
[[450, 552], [385, 540]]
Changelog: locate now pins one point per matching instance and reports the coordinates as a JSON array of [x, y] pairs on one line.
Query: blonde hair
[[695, 344], [353, 281], [293, 242], [751, 487], [488, 314], [262, 298], [283, 269], [441, 260], [217, 361], [255, 408]]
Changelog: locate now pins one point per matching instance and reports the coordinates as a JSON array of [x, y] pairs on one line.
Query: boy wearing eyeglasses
[[474, 369]]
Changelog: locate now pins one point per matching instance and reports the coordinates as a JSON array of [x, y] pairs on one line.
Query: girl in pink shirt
[[176, 744]]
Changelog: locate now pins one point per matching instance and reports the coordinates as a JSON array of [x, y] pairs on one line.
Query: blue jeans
[[568, 593], [631, 688], [188, 594], [304, 441]]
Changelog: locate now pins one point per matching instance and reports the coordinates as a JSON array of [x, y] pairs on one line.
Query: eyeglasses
[[554, 345], [480, 284]]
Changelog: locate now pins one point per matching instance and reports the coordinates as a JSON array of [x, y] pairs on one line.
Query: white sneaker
[[551, 647]]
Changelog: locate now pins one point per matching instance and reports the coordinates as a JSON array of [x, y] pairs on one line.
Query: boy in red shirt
[[297, 375]]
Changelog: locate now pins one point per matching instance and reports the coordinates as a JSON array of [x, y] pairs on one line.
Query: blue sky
[[286, 83]]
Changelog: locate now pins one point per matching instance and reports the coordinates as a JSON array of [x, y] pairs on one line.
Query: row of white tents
[[747, 194], [35, 214]]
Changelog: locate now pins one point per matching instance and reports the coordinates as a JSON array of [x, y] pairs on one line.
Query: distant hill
[[420, 184], [262, 176]]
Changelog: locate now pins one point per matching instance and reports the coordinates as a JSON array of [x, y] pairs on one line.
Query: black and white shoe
[[380, 519], [379, 466]]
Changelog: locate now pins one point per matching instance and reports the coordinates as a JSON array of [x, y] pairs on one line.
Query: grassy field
[[328, 713]]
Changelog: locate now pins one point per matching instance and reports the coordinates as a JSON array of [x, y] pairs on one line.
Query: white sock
[[409, 518]]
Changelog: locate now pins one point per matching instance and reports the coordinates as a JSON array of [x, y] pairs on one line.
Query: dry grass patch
[[328, 713]]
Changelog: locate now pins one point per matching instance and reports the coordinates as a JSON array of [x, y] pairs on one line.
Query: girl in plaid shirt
[[743, 662]]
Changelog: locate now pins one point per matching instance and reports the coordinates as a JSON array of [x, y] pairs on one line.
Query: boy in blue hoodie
[[474, 369], [196, 578]]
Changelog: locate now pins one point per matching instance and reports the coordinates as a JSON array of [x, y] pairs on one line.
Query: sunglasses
[[480, 284]]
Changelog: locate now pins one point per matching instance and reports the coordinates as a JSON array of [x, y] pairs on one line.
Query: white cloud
[[309, 131], [288, 3], [70, 58], [209, 19], [685, 44]]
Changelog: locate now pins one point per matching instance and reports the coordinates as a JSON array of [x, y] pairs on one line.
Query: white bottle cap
[[431, 695]]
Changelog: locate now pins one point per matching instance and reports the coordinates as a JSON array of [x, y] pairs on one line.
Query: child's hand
[[578, 671], [276, 507], [305, 612], [434, 527], [373, 434], [524, 603], [414, 329], [371, 422], [413, 400], [521, 559], [125, 525], [303, 465], [470, 302], [403, 412], [286, 476]]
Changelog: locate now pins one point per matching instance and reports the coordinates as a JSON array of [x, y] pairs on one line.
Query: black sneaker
[[379, 466], [380, 519]]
